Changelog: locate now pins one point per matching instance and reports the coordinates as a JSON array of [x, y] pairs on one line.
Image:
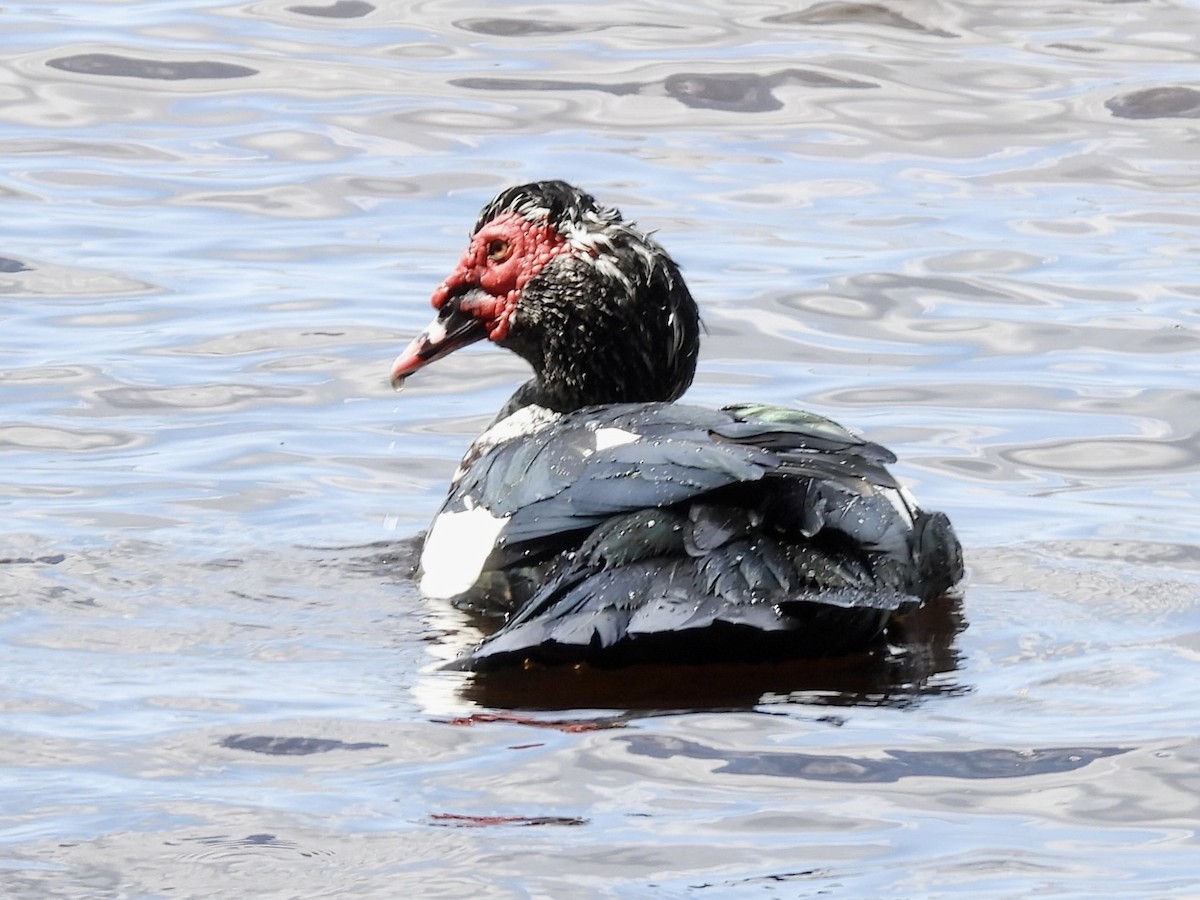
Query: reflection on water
[[1157, 103], [340, 9], [128, 67], [291, 746], [854, 14], [892, 766], [918, 661], [967, 230], [731, 92]]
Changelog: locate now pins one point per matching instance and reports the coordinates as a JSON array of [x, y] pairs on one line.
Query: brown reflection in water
[[913, 666]]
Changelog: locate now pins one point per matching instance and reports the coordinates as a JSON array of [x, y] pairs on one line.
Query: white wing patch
[[903, 502], [525, 421], [613, 437], [455, 550]]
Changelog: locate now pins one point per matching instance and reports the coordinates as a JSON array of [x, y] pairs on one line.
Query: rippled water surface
[[969, 230]]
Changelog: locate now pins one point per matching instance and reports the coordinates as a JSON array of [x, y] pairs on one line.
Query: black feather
[[683, 528]]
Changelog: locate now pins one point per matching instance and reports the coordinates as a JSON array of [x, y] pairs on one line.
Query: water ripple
[[41, 437], [196, 396], [967, 230]]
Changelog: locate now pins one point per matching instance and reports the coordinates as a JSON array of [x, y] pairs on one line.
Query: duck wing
[[666, 532]]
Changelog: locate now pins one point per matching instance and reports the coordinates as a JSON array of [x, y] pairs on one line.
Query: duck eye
[[498, 250]]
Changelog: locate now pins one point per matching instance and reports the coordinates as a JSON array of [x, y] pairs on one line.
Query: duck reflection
[[918, 659]]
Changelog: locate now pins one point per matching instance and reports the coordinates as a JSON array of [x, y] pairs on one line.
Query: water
[[969, 230]]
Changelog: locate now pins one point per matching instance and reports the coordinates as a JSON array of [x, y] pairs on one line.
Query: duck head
[[592, 303]]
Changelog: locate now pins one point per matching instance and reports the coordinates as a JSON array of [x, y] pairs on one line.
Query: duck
[[602, 523]]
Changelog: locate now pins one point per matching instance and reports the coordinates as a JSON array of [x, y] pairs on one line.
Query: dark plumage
[[613, 526]]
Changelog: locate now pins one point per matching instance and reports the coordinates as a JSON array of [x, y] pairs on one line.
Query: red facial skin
[[503, 256], [501, 259]]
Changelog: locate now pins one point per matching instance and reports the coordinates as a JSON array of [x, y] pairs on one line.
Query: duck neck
[[605, 348], [563, 395]]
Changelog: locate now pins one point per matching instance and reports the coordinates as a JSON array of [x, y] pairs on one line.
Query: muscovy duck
[[613, 526]]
